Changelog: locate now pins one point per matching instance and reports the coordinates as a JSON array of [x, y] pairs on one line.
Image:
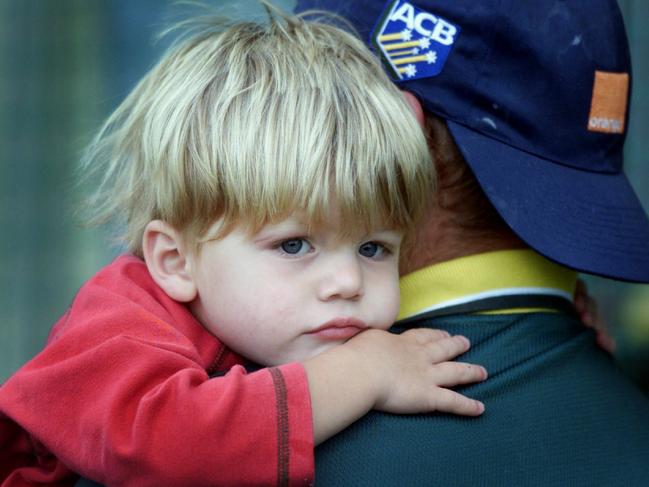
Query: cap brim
[[592, 222]]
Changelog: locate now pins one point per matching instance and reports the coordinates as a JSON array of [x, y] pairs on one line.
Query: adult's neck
[[439, 239]]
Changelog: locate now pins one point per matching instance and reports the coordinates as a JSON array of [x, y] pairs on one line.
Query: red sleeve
[[147, 416], [131, 404]]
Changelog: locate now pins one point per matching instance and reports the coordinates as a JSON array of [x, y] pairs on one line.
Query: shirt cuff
[[295, 462]]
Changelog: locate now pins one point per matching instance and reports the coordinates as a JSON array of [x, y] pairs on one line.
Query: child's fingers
[[448, 348], [606, 342], [449, 374], [426, 335], [448, 401], [581, 291]]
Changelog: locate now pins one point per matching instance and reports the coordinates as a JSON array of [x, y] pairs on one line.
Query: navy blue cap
[[536, 97]]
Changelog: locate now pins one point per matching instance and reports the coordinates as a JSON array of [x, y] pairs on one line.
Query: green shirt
[[558, 411]]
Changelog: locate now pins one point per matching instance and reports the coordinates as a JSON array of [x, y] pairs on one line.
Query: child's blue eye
[[295, 246], [372, 249]]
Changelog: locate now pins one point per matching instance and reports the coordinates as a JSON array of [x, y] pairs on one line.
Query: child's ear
[[415, 106], [167, 261]]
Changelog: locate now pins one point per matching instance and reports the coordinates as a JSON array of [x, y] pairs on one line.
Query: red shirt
[[121, 395]]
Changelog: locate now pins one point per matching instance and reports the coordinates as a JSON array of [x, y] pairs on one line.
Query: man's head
[[245, 123], [535, 97]]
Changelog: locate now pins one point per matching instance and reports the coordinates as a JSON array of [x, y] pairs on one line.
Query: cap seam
[[509, 144]]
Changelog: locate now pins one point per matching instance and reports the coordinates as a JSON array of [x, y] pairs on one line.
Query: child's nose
[[342, 279]]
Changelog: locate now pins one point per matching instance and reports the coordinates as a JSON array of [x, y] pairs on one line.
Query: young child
[[266, 175]]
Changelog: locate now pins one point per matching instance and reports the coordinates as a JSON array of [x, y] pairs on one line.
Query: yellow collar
[[499, 273]]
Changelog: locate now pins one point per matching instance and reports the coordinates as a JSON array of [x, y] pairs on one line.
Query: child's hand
[[590, 316], [406, 373], [415, 371]]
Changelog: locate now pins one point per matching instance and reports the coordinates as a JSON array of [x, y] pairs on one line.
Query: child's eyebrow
[[272, 230]]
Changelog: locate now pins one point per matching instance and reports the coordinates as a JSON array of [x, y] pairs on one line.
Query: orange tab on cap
[[608, 105]]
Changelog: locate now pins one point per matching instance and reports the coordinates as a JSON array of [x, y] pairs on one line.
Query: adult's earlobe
[[416, 107], [167, 262]]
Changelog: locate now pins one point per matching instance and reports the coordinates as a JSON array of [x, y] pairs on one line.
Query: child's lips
[[339, 329]]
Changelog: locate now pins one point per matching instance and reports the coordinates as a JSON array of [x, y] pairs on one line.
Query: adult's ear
[[415, 106], [167, 261]]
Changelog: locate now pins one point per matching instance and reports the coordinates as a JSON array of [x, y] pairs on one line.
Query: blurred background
[[66, 64]]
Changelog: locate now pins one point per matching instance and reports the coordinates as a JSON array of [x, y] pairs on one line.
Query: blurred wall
[[626, 306], [64, 65]]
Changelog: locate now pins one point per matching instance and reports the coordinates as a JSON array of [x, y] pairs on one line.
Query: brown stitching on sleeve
[[282, 426], [218, 360]]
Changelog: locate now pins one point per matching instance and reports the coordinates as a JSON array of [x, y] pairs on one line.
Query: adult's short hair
[[458, 189]]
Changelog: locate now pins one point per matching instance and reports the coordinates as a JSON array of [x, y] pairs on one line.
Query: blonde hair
[[250, 121]]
